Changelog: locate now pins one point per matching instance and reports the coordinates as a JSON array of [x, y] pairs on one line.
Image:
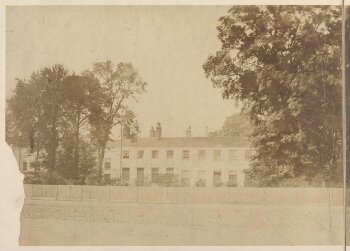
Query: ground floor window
[[217, 179], [140, 176], [201, 178], [232, 179], [125, 174], [107, 177], [155, 175], [185, 178]]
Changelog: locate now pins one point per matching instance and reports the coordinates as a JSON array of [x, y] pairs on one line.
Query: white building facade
[[207, 161]]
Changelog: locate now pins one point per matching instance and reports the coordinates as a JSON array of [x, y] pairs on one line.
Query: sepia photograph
[[178, 125]]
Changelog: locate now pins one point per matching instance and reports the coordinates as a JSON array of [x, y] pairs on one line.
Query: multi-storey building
[[208, 161], [212, 161]]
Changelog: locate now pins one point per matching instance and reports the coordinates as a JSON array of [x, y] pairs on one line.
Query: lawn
[[46, 222]]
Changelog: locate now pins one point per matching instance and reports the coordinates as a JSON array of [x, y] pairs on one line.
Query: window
[[170, 170], [232, 179], [201, 154], [217, 179], [247, 154], [232, 154], [125, 174], [185, 178], [140, 154], [186, 154], [126, 155], [107, 165], [140, 176], [201, 179], [169, 154], [154, 154], [36, 167], [217, 154], [154, 174], [24, 166], [107, 177]]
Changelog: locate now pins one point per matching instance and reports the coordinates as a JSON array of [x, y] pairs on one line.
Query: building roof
[[183, 142]]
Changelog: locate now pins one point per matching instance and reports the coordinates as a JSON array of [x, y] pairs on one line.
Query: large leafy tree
[[36, 111], [78, 91], [347, 88], [284, 64], [49, 114], [234, 125], [117, 85]]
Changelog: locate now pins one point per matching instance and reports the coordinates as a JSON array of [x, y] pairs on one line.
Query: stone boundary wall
[[188, 195]]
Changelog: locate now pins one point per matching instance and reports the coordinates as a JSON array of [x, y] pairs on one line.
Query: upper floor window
[[232, 154], [201, 154], [186, 154], [126, 154], [247, 154], [170, 170], [140, 154], [169, 154], [217, 154], [25, 167], [154, 154], [107, 164]]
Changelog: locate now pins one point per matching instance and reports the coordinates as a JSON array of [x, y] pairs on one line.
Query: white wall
[[194, 164]]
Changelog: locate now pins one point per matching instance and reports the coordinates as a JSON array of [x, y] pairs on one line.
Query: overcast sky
[[167, 44]]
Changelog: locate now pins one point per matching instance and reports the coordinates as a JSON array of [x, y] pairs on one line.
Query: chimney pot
[[152, 132], [188, 132], [158, 131]]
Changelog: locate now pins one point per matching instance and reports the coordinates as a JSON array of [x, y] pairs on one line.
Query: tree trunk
[[101, 155], [53, 146], [76, 148]]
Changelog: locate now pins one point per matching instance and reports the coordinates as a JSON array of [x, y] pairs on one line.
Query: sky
[[166, 44]]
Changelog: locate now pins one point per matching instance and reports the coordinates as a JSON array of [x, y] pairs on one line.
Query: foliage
[[117, 85], [347, 89], [235, 125], [36, 111], [200, 183], [66, 159], [49, 178], [166, 180], [57, 115], [284, 64], [92, 179], [77, 92]]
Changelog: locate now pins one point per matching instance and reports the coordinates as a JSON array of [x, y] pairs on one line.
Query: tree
[[36, 111], [117, 85], [235, 125], [66, 159], [284, 64], [78, 91], [347, 89]]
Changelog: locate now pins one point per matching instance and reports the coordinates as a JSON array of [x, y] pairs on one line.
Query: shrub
[[200, 183], [92, 179]]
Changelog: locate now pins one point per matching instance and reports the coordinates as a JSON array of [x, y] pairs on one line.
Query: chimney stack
[[188, 132], [152, 132], [158, 131]]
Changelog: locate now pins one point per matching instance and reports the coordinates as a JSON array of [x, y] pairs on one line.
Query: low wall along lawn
[[187, 195]]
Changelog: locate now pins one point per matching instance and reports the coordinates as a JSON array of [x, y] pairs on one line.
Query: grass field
[[95, 223]]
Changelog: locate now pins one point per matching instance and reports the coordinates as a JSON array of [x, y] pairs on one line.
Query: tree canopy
[[235, 125], [58, 115], [284, 64]]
